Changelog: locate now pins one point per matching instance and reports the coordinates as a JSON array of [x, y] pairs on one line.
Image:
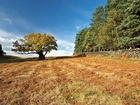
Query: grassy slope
[[71, 81]]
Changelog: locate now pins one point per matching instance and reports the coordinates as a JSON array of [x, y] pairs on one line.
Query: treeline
[[115, 26]]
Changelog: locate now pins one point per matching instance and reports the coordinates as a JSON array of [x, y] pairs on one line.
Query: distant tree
[[79, 42], [36, 43], [1, 51]]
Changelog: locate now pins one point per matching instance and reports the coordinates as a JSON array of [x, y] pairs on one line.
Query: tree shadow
[[13, 59]]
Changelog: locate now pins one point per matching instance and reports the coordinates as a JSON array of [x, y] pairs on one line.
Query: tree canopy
[[116, 26], [35, 43]]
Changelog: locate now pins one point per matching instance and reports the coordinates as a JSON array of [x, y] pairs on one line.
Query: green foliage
[[130, 25], [37, 43], [79, 43], [116, 26], [97, 20]]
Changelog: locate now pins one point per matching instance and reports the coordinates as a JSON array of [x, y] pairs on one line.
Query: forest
[[114, 26]]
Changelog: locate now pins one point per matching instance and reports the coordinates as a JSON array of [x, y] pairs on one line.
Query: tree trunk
[[41, 56], [99, 49]]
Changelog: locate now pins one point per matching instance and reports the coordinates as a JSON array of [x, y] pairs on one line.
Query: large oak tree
[[35, 43]]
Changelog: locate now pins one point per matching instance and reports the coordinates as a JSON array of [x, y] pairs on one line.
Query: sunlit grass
[[72, 81]]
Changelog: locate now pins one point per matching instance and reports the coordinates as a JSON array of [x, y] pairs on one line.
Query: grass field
[[70, 81]]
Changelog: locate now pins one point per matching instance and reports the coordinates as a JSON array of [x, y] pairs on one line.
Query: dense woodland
[[115, 26]]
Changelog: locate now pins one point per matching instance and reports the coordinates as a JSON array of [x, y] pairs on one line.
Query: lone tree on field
[[36, 43], [1, 51]]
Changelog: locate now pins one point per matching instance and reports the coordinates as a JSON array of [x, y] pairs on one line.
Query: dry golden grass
[[72, 81]]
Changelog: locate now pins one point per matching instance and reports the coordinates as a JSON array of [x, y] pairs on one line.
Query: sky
[[60, 18]]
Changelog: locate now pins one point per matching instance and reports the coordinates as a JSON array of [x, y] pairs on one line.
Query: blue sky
[[60, 18]]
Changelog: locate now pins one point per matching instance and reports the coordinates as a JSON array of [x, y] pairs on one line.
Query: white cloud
[[1, 13], [65, 43], [15, 23], [6, 43], [67, 47], [9, 20], [4, 19], [2, 39], [6, 34], [6, 39], [60, 53], [77, 27]]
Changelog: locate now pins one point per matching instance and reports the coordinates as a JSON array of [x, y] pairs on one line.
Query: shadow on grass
[[13, 59]]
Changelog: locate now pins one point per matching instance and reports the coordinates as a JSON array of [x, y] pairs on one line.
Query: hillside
[[71, 81]]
